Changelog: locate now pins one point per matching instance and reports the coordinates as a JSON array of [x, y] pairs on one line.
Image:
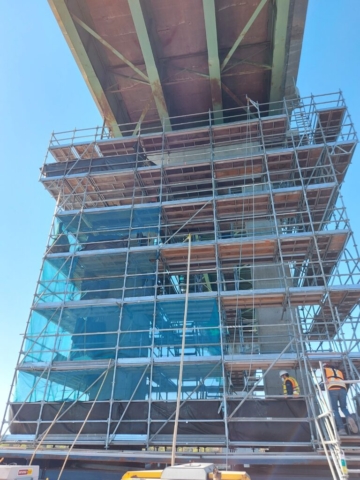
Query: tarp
[[103, 164], [197, 418]]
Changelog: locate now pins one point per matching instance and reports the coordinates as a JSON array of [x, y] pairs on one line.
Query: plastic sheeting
[[105, 229], [102, 164], [92, 332]]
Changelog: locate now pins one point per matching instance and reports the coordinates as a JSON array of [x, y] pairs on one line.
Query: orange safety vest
[[295, 385], [334, 378]]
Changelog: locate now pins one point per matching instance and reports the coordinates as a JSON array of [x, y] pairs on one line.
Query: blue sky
[[41, 90]]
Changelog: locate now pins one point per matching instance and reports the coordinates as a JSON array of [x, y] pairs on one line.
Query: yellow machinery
[[188, 471]]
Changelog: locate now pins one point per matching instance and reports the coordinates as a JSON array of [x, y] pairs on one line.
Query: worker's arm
[[289, 387]]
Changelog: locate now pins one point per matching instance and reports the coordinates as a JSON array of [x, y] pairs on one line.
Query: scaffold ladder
[[326, 428]]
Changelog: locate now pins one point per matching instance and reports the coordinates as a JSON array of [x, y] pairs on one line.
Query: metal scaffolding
[[273, 283]]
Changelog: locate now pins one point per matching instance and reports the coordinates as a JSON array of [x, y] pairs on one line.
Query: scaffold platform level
[[187, 181], [68, 148], [293, 247], [329, 124], [233, 362]]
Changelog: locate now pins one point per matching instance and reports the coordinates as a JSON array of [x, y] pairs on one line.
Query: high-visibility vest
[[334, 378], [295, 385]]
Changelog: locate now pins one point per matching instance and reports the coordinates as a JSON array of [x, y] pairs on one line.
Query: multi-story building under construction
[[199, 246]]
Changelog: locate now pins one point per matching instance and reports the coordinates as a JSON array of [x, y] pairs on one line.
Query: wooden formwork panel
[[200, 254], [329, 124], [238, 167], [62, 154], [117, 147]]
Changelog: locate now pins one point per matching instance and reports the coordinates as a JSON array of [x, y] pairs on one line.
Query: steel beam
[[213, 59], [279, 50], [84, 63], [234, 97], [243, 33], [111, 48], [142, 116], [151, 68], [263, 66]]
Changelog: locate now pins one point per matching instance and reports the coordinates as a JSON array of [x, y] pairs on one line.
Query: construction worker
[[336, 387], [290, 385]]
